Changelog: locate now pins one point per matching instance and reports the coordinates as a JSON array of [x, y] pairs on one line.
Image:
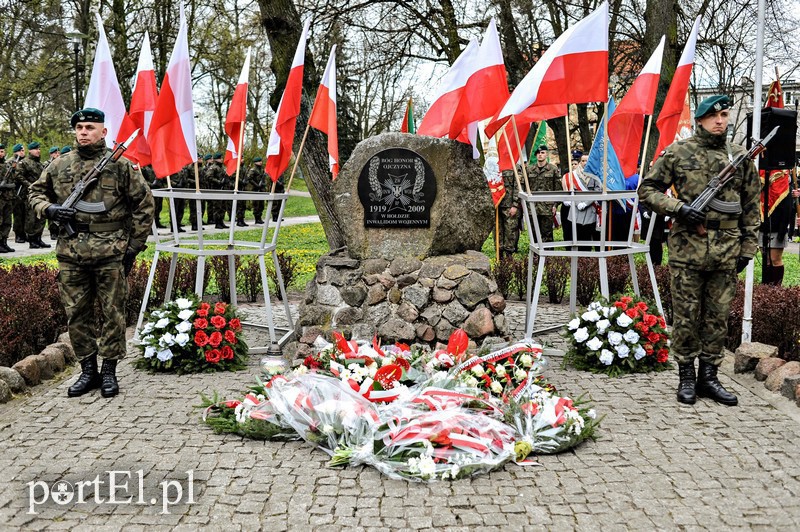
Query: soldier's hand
[[59, 214], [741, 263], [582, 206], [128, 260], [512, 211], [691, 216]]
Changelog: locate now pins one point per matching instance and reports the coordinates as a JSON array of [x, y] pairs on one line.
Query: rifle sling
[[98, 227]]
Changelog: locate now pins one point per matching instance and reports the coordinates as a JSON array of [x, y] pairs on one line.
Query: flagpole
[[644, 150], [297, 159], [521, 154], [513, 164], [196, 176], [234, 203], [239, 157], [497, 232]]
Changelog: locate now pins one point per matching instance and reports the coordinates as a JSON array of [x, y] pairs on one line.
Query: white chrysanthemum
[[520, 374], [590, 315], [149, 351], [496, 387], [182, 339], [594, 344], [164, 355], [574, 324], [427, 467], [614, 338], [184, 327], [581, 335], [607, 311], [622, 350], [602, 325], [500, 370], [477, 370], [163, 322], [148, 327], [639, 353], [632, 337], [606, 357], [185, 314], [472, 382], [167, 339], [591, 414], [623, 320], [372, 369], [183, 303], [526, 360]]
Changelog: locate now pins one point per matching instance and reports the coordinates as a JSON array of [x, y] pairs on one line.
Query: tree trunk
[[661, 18]]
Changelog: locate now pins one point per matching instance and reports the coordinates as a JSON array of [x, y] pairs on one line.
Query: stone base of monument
[[403, 299]]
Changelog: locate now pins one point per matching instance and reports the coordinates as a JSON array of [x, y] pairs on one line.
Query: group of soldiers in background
[[16, 175], [211, 175]]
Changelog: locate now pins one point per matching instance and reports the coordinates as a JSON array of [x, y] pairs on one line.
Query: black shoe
[[686, 386], [194, 228], [6, 248], [88, 380], [259, 221], [161, 226], [20, 240], [109, 386], [708, 385], [181, 229], [42, 243], [241, 224], [220, 225], [33, 244]]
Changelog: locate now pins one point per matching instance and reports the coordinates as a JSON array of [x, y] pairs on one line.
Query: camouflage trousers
[[80, 287], [6, 209], [34, 226], [545, 226], [509, 231], [701, 302]]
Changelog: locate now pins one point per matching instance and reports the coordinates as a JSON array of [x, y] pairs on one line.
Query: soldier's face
[[36, 152], [541, 156], [715, 123], [87, 133], [584, 160], [2, 153]]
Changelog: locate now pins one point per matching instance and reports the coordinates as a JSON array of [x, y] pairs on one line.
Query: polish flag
[[510, 158], [573, 70], [626, 125], [279, 148], [103, 92], [670, 114], [143, 103], [172, 130], [323, 114], [486, 89], [537, 113], [235, 119], [436, 122]]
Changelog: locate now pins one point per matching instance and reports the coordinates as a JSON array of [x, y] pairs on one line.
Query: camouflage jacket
[[688, 165], [8, 188], [28, 170], [217, 178], [121, 188], [511, 197], [257, 179], [545, 178]]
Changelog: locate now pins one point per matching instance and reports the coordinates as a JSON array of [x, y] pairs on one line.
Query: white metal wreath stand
[[196, 245], [567, 249]]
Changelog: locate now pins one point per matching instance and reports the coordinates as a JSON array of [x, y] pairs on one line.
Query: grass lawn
[[295, 206]]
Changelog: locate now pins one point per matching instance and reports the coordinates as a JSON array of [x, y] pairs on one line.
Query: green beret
[[17, 147], [33, 145], [257, 160], [543, 147], [712, 104], [90, 114], [207, 157], [218, 155], [53, 150], [2, 146], [65, 149]]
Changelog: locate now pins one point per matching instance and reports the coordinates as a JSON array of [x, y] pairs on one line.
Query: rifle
[[74, 200], [5, 185], [707, 198]]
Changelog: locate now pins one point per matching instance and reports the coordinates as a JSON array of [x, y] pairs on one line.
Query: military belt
[[722, 224], [98, 227]]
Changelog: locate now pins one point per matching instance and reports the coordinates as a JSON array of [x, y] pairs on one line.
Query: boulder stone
[[5, 392], [442, 296], [472, 290], [433, 267], [376, 294], [311, 291], [789, 386], [377, 314], [46, 371], [363, 331], [749, 354], [427, 283], [406, 280], [354, 295], [66, 350], [445, 283], [797, 394], [329, 295], [767, 366], [443, 330], [493, 343], [478, 262], [372, 266], [55, 358], [775, 379], [396, 329], [497, 302], [456, 271], [479, 323], [432, 314], [407, 312], [29, 370], [311, 334], [395, 295], [417, 295], [454, 312], [14, 380], [347, 316], [500, 323], [337, 260], [459, 183], [404, 265], [315, 315], [386, 280], [425, 332], [344, 277]]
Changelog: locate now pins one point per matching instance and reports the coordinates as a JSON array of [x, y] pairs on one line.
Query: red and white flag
[[510, 158], [235, 119], [103, 92], [670, 114], [323, 114], [172, 130], [573, 70], [436, 122], [281, 138], [143, 103], [626, 125], [486, 89]]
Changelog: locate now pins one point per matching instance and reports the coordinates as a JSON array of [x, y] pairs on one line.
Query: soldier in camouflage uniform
[[7, 190], [241, 204], [703, 268], [218, 180], [155, 184], [510, 214], [19, 204], [544, 176], [257, 180], [28, 171], [94, 263]]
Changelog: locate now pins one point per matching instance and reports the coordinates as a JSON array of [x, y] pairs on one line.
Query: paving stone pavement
[[656, 464]]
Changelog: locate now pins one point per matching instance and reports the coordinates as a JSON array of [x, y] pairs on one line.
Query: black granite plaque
[[397, 188]]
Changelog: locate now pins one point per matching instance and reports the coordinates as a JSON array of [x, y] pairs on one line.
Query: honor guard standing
[[257, 180], [155, 184], [207, 211], [95, 261], [510, 215], [704, 261], [18, 209], [29, 170], [54, 153], [241, 205], [218, 180], [7, 190], [543, 177]]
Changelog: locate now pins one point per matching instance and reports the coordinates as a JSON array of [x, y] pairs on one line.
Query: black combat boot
[[240, 223], [88, 380], [33, 243], [259, 221], [20, 240], [708, 385], [41, 242], [686, 386], [109, 388], [4, 247]]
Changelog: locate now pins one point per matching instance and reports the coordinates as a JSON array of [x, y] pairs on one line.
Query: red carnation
[[204, 306], [311, 363], [203, 313], [632, 312], [215, 339], [662, 355], [230, 336], [213, 355], [235, 324], [220, 307], [200, 323], [648, 348], [654, 337], [641, 305], [218, 322], [650, 320], [227, 352], [200, 338]]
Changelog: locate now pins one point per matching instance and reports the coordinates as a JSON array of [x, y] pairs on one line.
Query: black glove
[[691, 216], [741, 263], [60, 214], [128, 260]]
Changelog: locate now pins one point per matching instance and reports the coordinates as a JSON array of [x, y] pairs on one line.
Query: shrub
[[588, 280], [776, 318], [619, 274], [503, 271], [289, 269], [249, 276], [556, 273], [219, 266], [519, 275], [664, 290]]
